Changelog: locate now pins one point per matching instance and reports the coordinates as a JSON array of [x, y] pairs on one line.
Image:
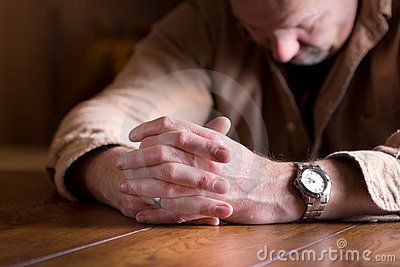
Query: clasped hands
[[201, 175]]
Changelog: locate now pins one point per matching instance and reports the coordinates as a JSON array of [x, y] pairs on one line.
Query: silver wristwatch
[[314, 185]]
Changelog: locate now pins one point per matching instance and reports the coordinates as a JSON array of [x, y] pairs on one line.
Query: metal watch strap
[[314, 210], [315, 206]]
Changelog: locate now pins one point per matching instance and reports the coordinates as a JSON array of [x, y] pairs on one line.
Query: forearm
[[349, 195]]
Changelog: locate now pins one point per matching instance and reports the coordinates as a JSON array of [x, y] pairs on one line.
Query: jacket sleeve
[[381, 171], [165, 76]]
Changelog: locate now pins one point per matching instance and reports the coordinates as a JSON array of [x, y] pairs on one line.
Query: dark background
[[54, 54]]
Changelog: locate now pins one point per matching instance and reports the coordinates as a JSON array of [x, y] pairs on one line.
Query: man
[[311, 89]]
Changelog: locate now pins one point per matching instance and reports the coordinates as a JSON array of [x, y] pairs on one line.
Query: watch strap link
[[313, 211], [314, 206]]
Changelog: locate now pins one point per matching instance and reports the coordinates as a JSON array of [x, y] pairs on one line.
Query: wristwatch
[[314, 185]]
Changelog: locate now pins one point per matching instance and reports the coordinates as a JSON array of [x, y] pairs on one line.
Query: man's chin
[[309, 60]]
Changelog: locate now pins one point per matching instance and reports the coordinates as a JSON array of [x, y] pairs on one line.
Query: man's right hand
[[97, 177]]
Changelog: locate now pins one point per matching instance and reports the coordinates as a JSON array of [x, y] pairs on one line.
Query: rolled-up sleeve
[[165, 76], [380, 168]]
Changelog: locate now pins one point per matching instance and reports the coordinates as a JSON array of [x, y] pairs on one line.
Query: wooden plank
[[24, 190], [347, 248], [228, 245], [57, 227], [36, 222]]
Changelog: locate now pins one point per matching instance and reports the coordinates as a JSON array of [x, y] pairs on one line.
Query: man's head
[[302, 32]]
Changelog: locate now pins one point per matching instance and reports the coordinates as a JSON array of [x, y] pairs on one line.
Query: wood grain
[[228, 245], [38, 227], [35, 221], [382, 239], [24, 190]]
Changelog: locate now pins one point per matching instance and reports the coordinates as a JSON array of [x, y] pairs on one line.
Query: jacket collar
[[370, 27]]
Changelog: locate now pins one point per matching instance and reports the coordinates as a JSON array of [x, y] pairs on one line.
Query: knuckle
[[202, 181], [128, 160], [198, 162], [193, 160], [148, 172], [137, 189], [210, 147], [167, 122], [161, 153], [168, 172], [182, 138]]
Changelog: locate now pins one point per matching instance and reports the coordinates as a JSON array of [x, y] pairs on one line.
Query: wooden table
[[38, 227]]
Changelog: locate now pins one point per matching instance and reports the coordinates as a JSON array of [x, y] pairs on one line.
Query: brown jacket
[[197, 63]]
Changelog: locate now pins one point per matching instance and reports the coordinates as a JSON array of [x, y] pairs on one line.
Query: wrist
[[349, 195], [299, 204], [285, 173], [336, 170], [94, 174]]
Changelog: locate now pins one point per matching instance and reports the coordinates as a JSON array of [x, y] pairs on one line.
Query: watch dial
[[313, 181]]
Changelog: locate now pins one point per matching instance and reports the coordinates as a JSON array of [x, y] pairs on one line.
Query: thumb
[[221, 124]]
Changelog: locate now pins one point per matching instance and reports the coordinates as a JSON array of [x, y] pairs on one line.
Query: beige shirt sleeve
[[381, 170], [165, 76]]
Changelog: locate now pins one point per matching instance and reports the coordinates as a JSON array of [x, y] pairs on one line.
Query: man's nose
[[284, 48]]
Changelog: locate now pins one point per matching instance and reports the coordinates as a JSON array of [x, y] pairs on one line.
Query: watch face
[[313, 181]]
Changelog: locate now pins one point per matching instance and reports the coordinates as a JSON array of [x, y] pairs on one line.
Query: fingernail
[[222, 155], [120, 163], [140, 218], [222, 211], [124, 188], [220, 187], [216, 222]]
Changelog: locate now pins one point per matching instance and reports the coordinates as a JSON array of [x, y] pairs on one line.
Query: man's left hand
[[197, 170]]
